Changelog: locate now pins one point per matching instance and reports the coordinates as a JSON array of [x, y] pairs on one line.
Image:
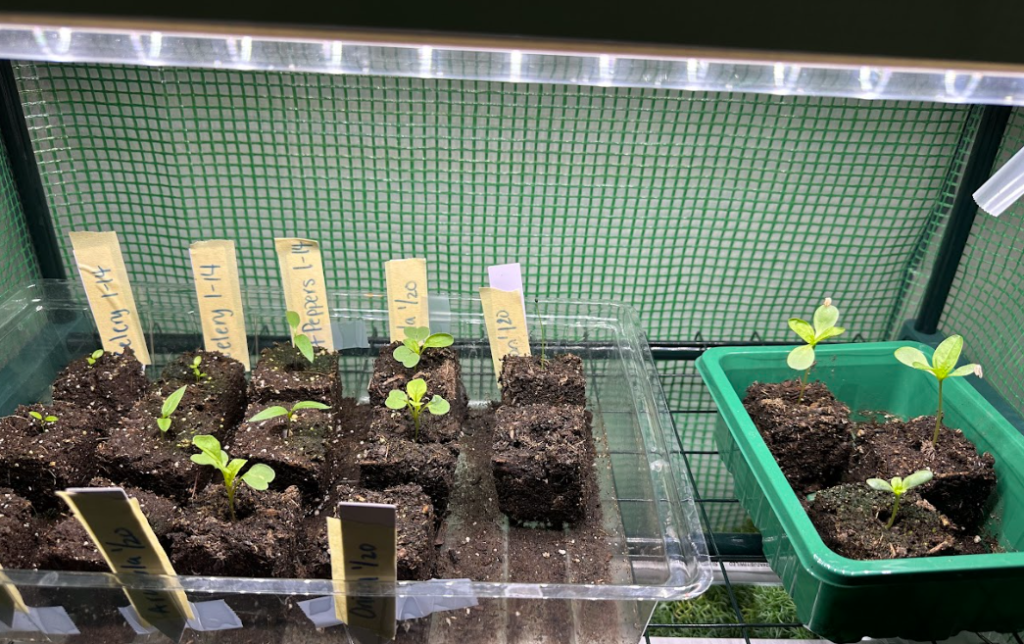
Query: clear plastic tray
[[650, 519]]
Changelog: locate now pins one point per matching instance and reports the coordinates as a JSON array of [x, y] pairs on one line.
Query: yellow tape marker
[[215, 271], [362, 543], [116, 525], [407, 296], [305, 290], [10, 600], [506, 324], [101, 265]]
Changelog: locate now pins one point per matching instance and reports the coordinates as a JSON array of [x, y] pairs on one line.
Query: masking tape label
[[362, 544], [407, 296], [215, 270], [506, 324], [305, 290]]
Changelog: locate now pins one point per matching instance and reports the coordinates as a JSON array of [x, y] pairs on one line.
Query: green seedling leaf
[[966, 370], [912, 358], [164, 424], [413, 345], [830, 333], [259, 476], [268, 413], [438, 406], [305, 347], [293, 319], [36, 415], [209, 445], [439, 341], [825, 317], [407, 356], [235, 466], [801, 358], [417, 333], [946, 355], [396, 399], [203, 459], [309, 404], [917, 478], [171, 402], [416, 389], [803, 329], [880, 484], [50, 419], [94, 356]]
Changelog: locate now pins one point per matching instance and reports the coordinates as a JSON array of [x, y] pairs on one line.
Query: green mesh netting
[[18, 264], [713, 214]]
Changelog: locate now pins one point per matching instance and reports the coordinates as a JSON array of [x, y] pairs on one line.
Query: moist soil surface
[[213, 403], [963, 479], [110, 386], [283, 373], [810, 439], [439, 368], [559, 381]]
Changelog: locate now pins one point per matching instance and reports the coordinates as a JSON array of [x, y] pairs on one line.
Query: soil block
[[221, 391], [261, 543], [851, 520], [560, 381], [389, 461], [38, 458], [282, 373], [810, 440], [963, 479], [19, 531], [415, 524], [440, 369], [541, 459], [433, 429], [295, 449], [111, 386]]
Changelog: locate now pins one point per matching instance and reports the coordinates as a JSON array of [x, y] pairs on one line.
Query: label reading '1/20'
[[506, 324], [215, 270], [362, 543], [407, 296], [105, 278], [305, 290]]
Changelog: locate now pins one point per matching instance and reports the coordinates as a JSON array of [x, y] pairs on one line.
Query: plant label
[[364, 566], [215, 271], [407, 296], [507, 277], [506, 324], [10, 600], [101, 266], [305, 290], [122, 534]]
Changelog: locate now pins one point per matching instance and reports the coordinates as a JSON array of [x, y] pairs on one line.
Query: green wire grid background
[[17, 259]]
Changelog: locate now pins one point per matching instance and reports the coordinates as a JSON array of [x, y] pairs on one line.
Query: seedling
[[195, 369], [417, 339], [899, 487], [300, 340], [824, 327], [276, 411], [94, 356], [42, 420], [943, 366], [258, 477], [412, 398], [169, 407]]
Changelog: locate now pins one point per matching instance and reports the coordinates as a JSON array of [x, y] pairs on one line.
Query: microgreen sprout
[[943, 366], [258, 477], [412, 398], [418, 338], [300, 340], [277, 411], [199, 374], [823, 328], [94, 356], [899, 486], [169, 407], [42, 420]]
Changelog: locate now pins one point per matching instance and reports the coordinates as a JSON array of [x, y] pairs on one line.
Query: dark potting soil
[[348, 439], [283, 373], [559, 381], [19, 531], [851, 520], [261, 543], [440, 369], [294, 449], [542, 456], [963, 479], [810, 440], [414, 512], [38, 458], [220, 393], [399, 424], [389, 461], [110, 387]]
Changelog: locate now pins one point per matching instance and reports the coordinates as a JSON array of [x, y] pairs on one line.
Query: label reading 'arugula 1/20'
[[305, 290]]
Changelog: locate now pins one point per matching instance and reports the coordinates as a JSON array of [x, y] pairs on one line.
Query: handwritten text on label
[[506, 324], [305, 290], [407, 296], [215, 269]]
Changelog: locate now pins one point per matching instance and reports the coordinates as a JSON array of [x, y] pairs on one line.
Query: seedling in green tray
[[258, 477], [300, 340], [169, 407], [417, 339], [412, 398], [198, 373], [823, 328], [943, 366], [900, 486], [42, 420], [277, 411], [94, 356]]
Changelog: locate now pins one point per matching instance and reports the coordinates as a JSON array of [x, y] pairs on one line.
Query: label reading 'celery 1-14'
[[305, 290], [215, 271]]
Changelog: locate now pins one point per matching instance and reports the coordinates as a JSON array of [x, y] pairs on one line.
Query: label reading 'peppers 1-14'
[[305, 290], [215, 270]]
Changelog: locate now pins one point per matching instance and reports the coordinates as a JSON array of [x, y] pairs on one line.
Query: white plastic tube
[[1003, 188]]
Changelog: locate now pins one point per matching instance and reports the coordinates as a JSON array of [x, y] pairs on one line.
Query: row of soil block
[[543, 448]]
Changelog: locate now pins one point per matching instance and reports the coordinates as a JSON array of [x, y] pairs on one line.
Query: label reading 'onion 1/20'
[[506, 324], [407, 296], [122, 534], [305, 290], [215, 271], [105, 278], [363, 542]]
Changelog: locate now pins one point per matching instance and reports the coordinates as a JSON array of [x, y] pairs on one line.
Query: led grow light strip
[[435, 57]]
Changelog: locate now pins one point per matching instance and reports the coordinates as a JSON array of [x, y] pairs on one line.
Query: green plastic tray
[[843, 599]]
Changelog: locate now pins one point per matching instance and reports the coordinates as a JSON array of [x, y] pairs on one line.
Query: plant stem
[[938, 419], [803, 384], [895, 509], [416, 423], [231, 501]]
